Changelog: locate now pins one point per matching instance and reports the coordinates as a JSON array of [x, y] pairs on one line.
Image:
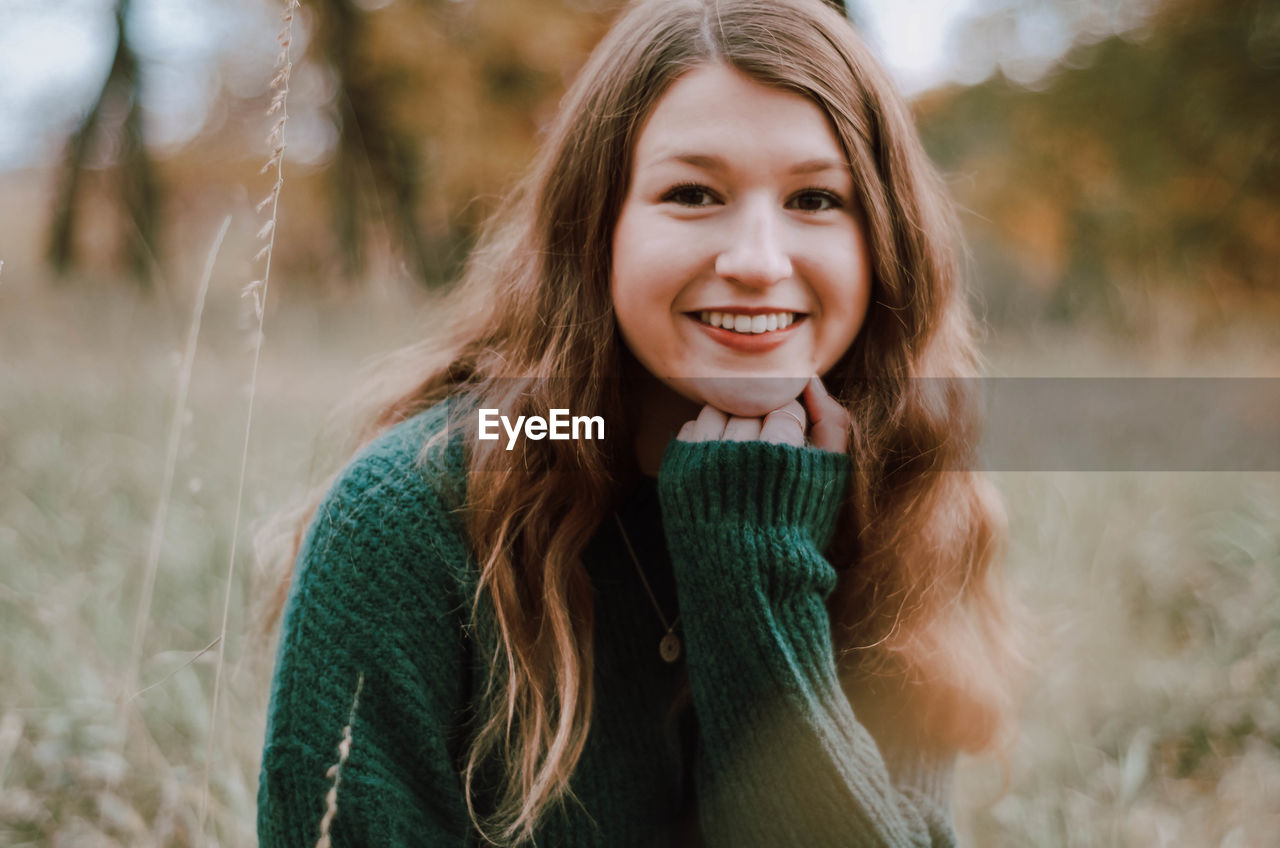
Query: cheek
[[847, 298], [636, 292], [622, 277], [848, 330], [643, 281]]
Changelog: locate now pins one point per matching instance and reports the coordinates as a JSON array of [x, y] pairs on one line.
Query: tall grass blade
[[143, 615]]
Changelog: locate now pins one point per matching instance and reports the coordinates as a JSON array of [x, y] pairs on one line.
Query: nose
[[755, 255]]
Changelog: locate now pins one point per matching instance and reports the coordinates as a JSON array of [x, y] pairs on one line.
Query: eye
[[689, 194], [817, 200]]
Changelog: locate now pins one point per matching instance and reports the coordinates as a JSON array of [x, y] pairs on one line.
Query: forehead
[[717, 110]]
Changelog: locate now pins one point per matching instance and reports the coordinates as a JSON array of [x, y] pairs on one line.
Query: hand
[[786, 425]]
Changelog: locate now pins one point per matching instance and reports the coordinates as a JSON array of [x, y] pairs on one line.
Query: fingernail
[[816, 382]]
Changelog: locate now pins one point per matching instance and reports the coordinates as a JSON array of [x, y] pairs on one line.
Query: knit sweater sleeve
[[781, 759], [373, 609]]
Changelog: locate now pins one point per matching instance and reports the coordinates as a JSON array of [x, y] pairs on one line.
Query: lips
[[749, 342]]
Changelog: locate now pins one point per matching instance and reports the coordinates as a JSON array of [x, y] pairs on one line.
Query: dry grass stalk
[[334, 771], [128, 691], [257, 290]]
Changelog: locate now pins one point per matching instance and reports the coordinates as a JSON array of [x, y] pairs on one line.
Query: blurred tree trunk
[[375, 174], [138, 195]]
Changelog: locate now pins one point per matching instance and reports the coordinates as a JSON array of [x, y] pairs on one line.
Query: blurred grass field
[[1152, 716]]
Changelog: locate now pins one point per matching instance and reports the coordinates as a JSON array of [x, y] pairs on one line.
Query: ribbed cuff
[[754, 484], [927, 772]]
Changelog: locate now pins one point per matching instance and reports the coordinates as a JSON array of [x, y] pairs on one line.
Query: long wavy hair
[[919, 619]]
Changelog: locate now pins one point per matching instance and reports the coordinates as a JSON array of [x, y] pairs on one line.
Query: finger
[[686, 432], [830, 431], [709, 425], [742, 430], [785, 425]]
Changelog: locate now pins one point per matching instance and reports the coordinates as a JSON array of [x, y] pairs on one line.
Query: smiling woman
[[764, 610]]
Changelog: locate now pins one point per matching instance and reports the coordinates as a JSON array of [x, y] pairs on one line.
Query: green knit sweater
[[730, 534]]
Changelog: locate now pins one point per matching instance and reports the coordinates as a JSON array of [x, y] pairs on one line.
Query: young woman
[[760, 607]]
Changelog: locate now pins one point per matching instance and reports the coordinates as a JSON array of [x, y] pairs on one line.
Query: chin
[[742, 397]]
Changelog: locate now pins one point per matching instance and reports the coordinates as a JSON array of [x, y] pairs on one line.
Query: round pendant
[[669, 647]]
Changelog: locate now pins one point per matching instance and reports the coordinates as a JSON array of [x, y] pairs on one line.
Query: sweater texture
[[767, 751]]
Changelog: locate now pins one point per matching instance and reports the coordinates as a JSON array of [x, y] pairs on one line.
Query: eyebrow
[[715, 163]]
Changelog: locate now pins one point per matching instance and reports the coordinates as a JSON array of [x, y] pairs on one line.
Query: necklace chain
[[669, 647]]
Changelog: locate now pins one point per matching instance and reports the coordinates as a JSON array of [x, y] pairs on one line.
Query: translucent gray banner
[[1034, 423], [1130, 424]]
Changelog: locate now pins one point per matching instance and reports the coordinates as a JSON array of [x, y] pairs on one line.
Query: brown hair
[[917, 610]]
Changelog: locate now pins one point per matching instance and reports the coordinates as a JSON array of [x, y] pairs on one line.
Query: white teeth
[[749, 324]]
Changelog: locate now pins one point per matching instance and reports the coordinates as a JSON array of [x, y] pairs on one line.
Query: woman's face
[[739, 264]]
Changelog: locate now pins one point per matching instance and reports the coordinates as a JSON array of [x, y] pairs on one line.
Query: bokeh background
[[1117, 167]]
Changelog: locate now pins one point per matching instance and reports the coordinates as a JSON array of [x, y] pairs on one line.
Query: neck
[[660, 412]]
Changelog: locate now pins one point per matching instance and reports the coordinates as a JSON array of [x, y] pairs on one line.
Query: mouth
[[758, 332]]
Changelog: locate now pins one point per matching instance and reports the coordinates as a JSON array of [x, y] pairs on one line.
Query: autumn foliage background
[[1122, 209]]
